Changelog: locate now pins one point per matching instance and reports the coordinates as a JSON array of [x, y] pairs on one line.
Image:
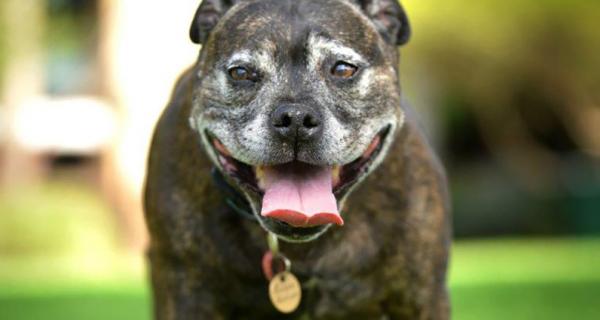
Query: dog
[[291, 123]]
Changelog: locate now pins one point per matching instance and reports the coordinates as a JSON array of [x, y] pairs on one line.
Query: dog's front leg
[[178, 292]]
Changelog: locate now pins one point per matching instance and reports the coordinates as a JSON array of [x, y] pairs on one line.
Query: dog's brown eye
[[242, 74], [343, 70]]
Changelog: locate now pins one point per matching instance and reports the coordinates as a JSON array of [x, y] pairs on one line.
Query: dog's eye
[[242, 74], [343, 70]]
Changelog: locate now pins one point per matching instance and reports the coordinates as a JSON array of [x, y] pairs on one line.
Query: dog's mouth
[[299, 199]]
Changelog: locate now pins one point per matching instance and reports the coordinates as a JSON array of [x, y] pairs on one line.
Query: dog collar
[[285, 291], [233, 198]]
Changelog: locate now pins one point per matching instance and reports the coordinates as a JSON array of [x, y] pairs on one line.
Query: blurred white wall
[[145, 45]]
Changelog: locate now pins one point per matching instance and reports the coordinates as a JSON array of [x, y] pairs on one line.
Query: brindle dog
[[292, 114]]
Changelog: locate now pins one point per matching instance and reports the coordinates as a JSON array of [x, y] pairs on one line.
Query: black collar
[[233, 198]]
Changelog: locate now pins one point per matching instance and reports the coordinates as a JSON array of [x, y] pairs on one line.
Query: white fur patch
[[263, 60], [319, 48], [365, 82], [240, 57], [223, 84]]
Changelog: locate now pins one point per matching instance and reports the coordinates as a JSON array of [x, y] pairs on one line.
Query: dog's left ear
[[206, 18], [389, 18]]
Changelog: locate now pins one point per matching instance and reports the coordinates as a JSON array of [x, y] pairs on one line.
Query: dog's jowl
[[290, 127]]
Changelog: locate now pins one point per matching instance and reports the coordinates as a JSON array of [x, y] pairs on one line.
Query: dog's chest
[[340, 292], [323, 299]]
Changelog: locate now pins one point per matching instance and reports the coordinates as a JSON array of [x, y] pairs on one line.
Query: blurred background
[[508, 91]]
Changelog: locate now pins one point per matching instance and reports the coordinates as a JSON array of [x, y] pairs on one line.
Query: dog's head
[[296, 101]]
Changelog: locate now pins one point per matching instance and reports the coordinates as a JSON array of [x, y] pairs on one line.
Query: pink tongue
[[300, 195]]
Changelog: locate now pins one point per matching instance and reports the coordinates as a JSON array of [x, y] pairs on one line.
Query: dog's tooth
[[335, 175], [259, 172]]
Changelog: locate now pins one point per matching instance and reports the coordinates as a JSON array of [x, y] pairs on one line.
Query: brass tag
[[285, 292]]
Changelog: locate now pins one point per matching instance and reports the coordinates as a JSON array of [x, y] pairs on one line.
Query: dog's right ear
[[206, 18]]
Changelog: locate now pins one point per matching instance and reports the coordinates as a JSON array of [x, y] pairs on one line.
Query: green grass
[[87, 304], [549, 300], [500, 279], [526, 279], [63, 288]]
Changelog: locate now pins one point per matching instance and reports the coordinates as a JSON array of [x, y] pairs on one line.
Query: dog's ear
[[206, 18], [389, 18]]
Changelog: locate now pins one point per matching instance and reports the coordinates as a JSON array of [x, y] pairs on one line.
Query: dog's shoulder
[[177, 166]]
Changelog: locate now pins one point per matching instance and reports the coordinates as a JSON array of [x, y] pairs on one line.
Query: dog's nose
[[296, 122]]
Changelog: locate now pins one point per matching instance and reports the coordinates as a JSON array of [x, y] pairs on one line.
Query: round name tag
[[285, 292]]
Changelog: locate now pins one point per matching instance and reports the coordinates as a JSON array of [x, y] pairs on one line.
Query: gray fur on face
[[352, 114], [294, 61]]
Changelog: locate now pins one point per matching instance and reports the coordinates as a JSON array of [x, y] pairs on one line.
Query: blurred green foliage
[[511, 92], [489, 41]]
